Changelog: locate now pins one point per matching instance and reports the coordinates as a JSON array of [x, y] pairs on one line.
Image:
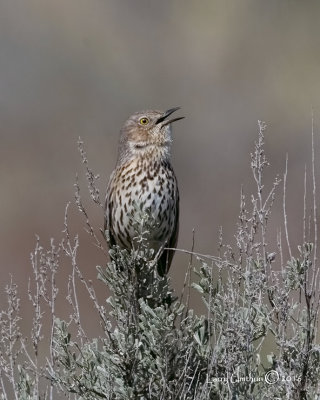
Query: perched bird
[[144, 178]]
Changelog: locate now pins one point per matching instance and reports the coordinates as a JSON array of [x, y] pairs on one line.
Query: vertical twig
[[284, 206], [315, 221], [305, 204], [190, 263], [71, 252]]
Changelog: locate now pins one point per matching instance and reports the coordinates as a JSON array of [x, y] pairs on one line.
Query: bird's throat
[[155, 151]]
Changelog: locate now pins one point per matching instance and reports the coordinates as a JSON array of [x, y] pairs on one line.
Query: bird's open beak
[[166, 115]]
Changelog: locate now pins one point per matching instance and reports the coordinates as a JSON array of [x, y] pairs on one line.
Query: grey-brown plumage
[[144, 178]]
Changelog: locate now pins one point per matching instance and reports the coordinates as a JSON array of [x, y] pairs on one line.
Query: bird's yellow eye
[[144, 121]]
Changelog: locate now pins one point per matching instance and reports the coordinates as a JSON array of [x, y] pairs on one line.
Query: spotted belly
[[155, 194]]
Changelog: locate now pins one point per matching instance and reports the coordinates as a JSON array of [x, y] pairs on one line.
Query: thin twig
[[284, 206], [315, 220], [304, 203], [208, 256], [190, 266]]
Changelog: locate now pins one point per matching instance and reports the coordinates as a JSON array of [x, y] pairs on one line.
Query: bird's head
[[144, 131]]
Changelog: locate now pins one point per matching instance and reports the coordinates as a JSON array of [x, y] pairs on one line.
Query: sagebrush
[[152, 344]]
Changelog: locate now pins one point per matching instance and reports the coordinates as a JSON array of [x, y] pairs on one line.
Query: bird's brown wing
[[167, 255]]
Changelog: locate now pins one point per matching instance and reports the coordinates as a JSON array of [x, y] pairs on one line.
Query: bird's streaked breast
[[148, 186]]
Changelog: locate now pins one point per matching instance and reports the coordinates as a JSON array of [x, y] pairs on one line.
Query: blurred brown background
[[80, 68]]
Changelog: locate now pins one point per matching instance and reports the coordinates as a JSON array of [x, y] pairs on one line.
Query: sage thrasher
[[144, 179]]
